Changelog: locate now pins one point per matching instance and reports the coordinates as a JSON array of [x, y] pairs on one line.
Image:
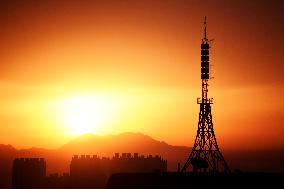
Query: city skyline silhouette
[[82, 81]]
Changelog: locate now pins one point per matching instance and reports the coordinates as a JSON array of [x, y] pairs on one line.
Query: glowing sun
[[86, 114]]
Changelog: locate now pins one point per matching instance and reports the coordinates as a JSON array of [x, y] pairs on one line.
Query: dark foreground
[[192, 180]]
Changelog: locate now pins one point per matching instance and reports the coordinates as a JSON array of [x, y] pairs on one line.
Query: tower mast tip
[[205, 34]]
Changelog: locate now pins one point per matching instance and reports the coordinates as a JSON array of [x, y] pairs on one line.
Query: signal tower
[[205, 155]]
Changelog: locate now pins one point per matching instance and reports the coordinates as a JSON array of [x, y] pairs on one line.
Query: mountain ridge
[[58, 160]]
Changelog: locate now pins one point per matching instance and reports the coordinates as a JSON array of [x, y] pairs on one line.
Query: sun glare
[[86, 114]]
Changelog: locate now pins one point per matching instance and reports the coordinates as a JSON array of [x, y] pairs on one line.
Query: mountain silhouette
[[126, 142], [58, 160]]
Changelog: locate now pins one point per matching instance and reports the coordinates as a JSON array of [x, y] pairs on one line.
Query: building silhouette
[[127, 171], [93, 172], [200, 180], [128, 163], [28, 173], [56, 181], [86, 171]]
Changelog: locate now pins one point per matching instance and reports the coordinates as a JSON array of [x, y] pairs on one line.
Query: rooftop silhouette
[[86, 171], [29, 173], [93, 172]]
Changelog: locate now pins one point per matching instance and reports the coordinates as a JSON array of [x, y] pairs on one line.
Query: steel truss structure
[[205, 155]]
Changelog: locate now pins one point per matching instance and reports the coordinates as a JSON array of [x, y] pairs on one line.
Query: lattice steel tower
[[205, 155]]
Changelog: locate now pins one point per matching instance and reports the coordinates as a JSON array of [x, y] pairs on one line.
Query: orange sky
[[140, 60]]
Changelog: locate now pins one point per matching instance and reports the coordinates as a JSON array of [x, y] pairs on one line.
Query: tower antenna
[[205, 155], [205, 34]]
